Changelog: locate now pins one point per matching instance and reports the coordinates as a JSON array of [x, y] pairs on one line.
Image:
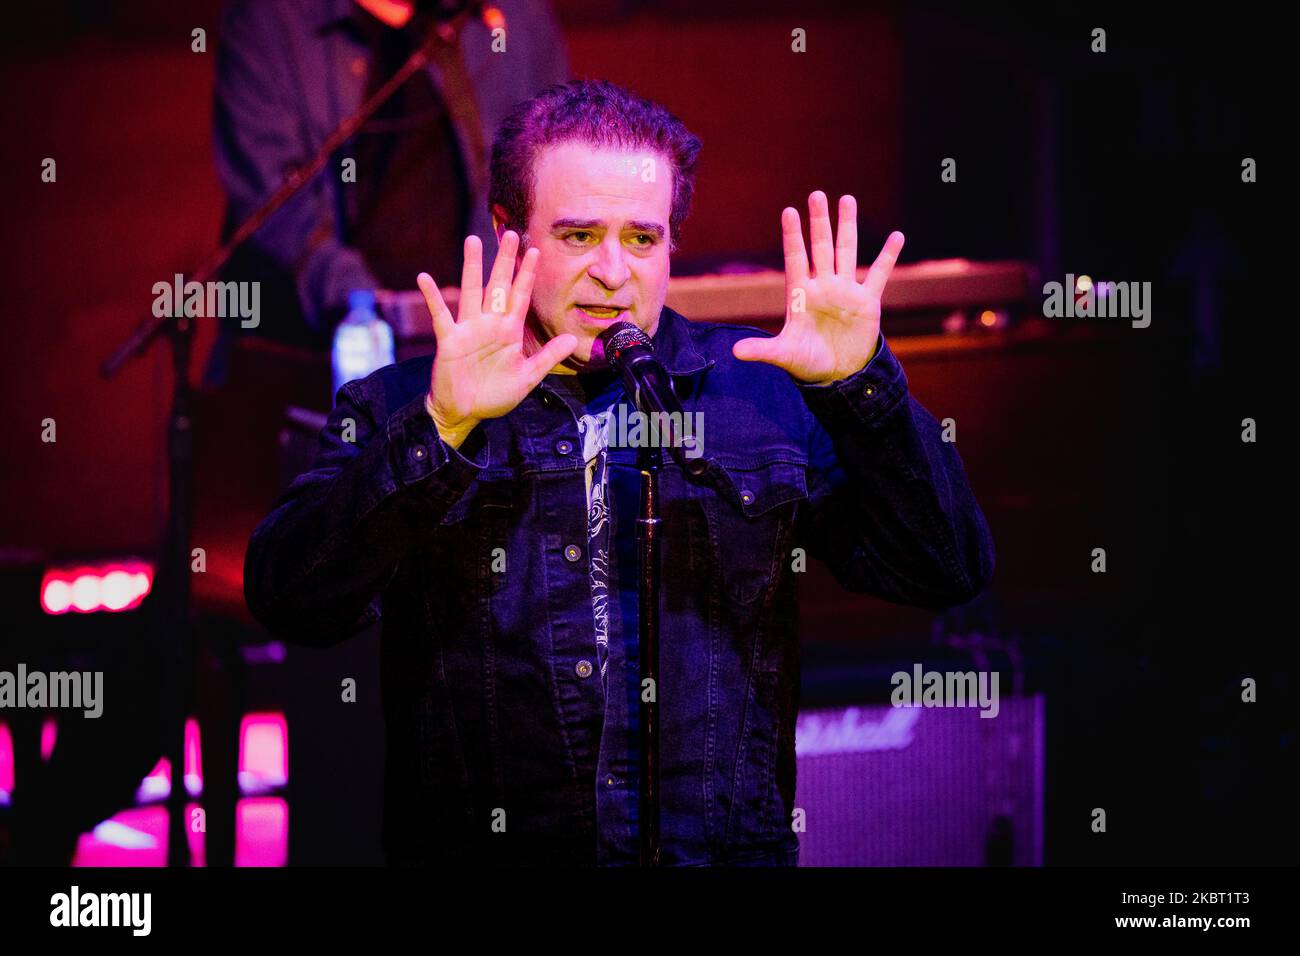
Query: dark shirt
[[601, 393], [488, 708]]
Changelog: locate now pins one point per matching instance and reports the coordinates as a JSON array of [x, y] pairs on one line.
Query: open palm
[[480, 370], [832, 321]]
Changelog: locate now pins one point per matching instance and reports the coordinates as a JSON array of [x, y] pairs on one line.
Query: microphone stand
[[649, 534], [651, 392], [173, 566]]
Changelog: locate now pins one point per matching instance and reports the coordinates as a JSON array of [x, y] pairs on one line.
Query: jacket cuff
[[866, 396], [420, 457]]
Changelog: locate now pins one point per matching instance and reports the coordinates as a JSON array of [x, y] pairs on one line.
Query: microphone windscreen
[[618, 338]]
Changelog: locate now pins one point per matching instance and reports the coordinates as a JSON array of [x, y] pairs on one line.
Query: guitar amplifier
[[915, 786]]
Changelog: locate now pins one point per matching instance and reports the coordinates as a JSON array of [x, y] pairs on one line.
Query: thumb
[[759, 349], [550, 355]]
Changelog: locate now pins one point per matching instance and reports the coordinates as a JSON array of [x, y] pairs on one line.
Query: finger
[[819, 232], [523, 287], [503, 269], [846, 239], [796, 258], [879, 272], [759, 350], [471, 279], [442, 320], [539, 364]]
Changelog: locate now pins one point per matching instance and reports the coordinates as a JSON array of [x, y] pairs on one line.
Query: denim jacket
[[503, 745]]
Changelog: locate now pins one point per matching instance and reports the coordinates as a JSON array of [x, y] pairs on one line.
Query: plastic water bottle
[[363, 342]]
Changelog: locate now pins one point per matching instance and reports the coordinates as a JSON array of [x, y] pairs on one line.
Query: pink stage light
[[261, 832], [49, 736], [263, 753], [157, 785], [6, 765], [193, 759], [136, 837], [109, 586]]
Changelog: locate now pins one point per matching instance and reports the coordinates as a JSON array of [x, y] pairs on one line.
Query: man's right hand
[[479, 369]]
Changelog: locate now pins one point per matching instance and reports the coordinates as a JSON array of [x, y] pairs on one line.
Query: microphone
[[632, 354]]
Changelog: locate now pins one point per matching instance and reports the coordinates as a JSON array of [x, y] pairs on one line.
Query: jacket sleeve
[[316, 565], [890, 509], [259, 134]]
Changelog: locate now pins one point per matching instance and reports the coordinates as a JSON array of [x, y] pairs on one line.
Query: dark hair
[[594, 112]]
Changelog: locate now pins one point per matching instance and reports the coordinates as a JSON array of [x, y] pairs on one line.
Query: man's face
[[600, 218]]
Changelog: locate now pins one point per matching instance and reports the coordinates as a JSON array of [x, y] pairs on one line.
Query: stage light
[[6, 765], [113, 833], [263, 753], [261, 832], [85, 593], [57, 597], [110, 586], [49, 736], [136, 837], [158, 784], [116, 590]]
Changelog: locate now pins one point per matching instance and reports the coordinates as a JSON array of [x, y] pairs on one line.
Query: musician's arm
[[317, 564], [891, 510]]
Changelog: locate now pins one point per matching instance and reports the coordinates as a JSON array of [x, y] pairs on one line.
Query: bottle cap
[[361, 299]]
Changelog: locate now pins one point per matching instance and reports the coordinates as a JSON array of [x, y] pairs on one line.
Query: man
[[456, 490]]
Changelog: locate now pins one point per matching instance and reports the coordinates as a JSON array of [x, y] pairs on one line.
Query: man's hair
[[597, 113]]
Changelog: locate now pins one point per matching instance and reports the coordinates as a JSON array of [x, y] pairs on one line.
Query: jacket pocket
[[756, 803], [482, 497], [750, 522]]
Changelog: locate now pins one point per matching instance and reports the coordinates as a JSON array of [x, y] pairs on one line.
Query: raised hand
[[831, 320], [480, 370]]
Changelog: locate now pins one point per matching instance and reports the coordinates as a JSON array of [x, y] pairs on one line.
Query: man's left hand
[[832, 321]]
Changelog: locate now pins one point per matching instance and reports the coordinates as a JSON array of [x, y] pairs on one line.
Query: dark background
[[1123, 165]]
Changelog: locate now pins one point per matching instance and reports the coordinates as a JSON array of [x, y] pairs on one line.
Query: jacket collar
[[674, 347], [674, 344]]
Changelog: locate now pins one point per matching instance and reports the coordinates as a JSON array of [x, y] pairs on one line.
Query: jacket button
[[746, 497], [583, 668], [563, 447], [419, 452], [868, 390], [572, 552]]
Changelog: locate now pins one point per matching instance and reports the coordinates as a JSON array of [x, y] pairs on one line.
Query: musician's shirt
[[600, 393], [603, 390]]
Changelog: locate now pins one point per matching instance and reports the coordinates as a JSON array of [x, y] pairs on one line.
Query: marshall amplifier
[[921, 786]]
